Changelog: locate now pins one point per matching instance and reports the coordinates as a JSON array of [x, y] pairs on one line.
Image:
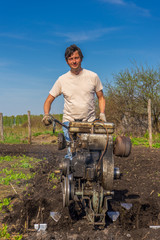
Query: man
[[78, 87]]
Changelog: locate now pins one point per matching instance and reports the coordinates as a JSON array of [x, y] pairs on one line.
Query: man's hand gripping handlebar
[[48, 119]]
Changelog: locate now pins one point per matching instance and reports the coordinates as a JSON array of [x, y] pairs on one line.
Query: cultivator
[[89, 176]]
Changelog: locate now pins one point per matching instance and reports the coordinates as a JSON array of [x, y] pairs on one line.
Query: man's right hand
[[47, 119]]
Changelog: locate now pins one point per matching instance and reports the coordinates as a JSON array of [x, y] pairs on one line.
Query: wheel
[[61, 141]]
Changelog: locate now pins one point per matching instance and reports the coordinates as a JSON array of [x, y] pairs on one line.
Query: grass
[[143, 141], [6, 158], [4, 202], [47, 132], [17, 138], [54, 179], [4, 234], [17, 134], [16, 170], [14, 176], [140, 141]]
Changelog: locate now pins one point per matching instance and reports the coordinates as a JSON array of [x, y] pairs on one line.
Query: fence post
[[1, 126], [149, 123], [29, 127]]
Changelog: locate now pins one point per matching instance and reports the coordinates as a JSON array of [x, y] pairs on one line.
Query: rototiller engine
[[89, 176]]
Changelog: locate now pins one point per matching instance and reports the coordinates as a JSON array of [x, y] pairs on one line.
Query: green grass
[[5, 235], [41, 133], [17, 170], [143, 141], [26, 165], [156, 145], [14, 170], [54, 179], [4, 202], [18, 133], [140, 141], [14, 137], [56, 133], [6, 158], [11, 176], [47, 132]]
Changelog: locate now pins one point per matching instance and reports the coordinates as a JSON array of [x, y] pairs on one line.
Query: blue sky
[[34, 35]]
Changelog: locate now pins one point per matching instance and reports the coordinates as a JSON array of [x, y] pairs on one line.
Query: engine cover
[[83, 164]]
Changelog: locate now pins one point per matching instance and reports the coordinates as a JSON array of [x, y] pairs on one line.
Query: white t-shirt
[[79, 94]]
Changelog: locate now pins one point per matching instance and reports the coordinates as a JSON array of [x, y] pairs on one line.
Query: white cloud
[[142, 11], [24, 37], [12, 35], [120, 52], [119, 2], [86, 35]]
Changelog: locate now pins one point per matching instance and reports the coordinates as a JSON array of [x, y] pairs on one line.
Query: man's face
[[74, 61]]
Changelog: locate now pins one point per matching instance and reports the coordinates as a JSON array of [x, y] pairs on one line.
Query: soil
[[138, 185]]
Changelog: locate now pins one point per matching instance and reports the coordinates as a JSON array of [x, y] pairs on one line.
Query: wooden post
[[29, 127], [149, 123], [1, 126]]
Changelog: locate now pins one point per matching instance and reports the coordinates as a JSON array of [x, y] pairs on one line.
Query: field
[[29, 198]]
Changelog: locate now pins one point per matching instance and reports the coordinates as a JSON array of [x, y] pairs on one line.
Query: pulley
[[108, 166], [122, 146], [67, 189]]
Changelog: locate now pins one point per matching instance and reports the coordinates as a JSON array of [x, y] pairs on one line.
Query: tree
[[128, 96], [149, 87]]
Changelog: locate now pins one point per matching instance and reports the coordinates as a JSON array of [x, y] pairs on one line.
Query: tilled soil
[[138, 185]]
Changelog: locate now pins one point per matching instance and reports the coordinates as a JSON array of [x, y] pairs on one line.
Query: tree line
[[22, 120], [9, 121]]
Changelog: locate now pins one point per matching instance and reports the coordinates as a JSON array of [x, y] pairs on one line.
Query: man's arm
[[48, 119], [102, 104], [101, 100], [47, 104]]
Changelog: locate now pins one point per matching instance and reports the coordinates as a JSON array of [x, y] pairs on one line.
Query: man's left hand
[[102, 117]]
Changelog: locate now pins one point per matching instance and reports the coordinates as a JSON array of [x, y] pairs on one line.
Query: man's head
[[70, 50], [74, 56]]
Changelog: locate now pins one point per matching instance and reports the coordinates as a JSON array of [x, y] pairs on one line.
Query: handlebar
[[57, 121]]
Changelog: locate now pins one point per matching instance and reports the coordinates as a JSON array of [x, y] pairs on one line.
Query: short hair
[[71, 49]]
